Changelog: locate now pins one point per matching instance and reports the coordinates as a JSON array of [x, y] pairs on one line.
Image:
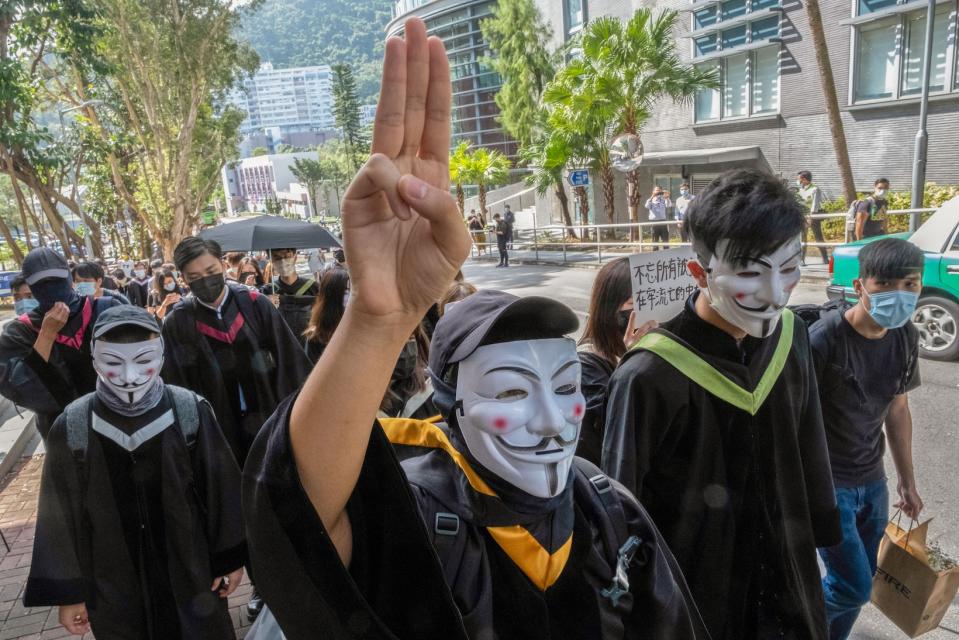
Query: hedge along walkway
[[18, 515]]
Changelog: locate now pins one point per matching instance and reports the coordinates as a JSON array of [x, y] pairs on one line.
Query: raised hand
[[402, 232]]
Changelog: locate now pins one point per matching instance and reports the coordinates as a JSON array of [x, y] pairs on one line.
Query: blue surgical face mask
[[86, 288], [26, 305], [892, 309]]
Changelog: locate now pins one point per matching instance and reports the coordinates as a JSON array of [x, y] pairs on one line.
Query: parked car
[[937, 314]]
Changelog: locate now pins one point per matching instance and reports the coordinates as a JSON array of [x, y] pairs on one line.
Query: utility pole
[[922, 138]]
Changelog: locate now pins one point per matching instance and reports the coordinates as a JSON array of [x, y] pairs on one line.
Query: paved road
[[935, 406]]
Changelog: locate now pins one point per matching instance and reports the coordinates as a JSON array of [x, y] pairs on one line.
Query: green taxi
[[937, 314]]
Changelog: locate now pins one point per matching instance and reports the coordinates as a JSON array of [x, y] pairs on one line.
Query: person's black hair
[[611, 288], [879, 181], [89, 270], [128, 334], [751, 209], [119, 274], [192, 248], [805, 175], [890, 259], [496, 215], [156, 264], [159, 279], [16, 282], [340, 256], [328, 306]]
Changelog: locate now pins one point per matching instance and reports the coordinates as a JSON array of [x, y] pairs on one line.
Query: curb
[[26, 424]]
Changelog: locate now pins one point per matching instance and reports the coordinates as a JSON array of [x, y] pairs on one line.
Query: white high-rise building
[[283, 104]]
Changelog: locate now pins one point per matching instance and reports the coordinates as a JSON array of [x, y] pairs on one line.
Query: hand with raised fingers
[[403, 236]]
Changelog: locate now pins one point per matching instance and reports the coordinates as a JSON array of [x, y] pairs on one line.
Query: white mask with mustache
[[521, 411], [751, 292], [129, 370]]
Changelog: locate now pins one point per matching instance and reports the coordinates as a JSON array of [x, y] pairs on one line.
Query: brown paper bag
[[905, 588]]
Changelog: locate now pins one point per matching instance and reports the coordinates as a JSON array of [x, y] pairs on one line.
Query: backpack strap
[[77, 415], [187, 412], [604, 499]]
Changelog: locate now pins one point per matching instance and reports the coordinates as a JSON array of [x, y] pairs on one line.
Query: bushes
[[935, 195]]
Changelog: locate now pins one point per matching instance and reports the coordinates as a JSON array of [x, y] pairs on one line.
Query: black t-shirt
[[858, 379]]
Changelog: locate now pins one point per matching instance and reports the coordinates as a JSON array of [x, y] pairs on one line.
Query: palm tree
[[636, 64], [460, 173], [487, 168], [546, 156]]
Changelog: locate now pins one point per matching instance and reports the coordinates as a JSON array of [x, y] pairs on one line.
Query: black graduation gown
[[255, 352], [743, 501], [90, 546], [46, 387], [138, 292], [296, 304], [397, 586], [596, 371]]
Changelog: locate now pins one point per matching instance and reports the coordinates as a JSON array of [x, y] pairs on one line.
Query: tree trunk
[[461, 199], [564, 207], [24, 226], [482, 200], [609, 192], [633, 199], [832, 101], [582, 199], [14, 247]]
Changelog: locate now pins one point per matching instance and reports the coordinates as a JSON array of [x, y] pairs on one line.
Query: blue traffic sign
[[578, 178]]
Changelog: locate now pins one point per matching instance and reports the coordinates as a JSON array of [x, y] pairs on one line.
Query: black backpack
[[811, 313]]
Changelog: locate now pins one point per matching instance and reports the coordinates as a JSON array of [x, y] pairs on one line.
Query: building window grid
[[752, 95], [896, 76]]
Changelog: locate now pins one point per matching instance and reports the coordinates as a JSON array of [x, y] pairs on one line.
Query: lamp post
[[922, 138]]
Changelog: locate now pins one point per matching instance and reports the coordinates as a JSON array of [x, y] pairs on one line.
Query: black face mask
[[622, 319], [208, 288], [406, 364], [53, 290]]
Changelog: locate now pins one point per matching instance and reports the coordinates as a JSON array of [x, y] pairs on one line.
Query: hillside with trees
[[295, 33]]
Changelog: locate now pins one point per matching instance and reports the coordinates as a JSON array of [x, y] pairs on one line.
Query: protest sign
[[661, 283]]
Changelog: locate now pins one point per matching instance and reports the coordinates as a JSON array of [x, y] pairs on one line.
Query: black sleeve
[[820, 342], [298, 570], [911, 376], [218, 487], [820, 492], [26, 378], [595, 383], [292, 364], [55, 574]]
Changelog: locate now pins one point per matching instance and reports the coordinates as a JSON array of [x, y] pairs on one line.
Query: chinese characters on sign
[[661, 283]]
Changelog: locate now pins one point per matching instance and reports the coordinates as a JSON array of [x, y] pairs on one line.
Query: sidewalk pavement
[[18, 514], [814, 272]]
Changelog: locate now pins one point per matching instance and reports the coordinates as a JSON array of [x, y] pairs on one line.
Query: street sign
[[578, 178]]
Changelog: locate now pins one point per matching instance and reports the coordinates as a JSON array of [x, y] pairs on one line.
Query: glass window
[[758, 5], [876, 60], [735, 86], [871, 6], [766, 80], [574, 14], [915, 49], [733, 8], [734, 37], [706, 44], [705, 17], [765, 29], [707, 101]]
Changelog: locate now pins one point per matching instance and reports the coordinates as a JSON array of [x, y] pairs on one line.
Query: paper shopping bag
[[905, 588]]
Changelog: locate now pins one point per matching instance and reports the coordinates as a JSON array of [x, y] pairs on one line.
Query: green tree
[[170, 62], [272, 206], [517, 37], [310, 174], [546, 157], [460, 173], [259, 151], [487, 168], [633, 64], [346, 113]]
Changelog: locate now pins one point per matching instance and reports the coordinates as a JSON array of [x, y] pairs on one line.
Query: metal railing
[[588, 240]]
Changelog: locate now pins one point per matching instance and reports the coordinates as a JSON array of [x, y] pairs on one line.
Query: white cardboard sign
[[661, 283]]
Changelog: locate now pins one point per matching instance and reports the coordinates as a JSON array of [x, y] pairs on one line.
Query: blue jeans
[[850, 565]]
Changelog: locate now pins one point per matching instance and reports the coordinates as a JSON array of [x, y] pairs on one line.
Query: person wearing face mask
[[658, 206], [293, 295], [871, 212], [164, 293], [410, 392], [23, 300], [685, 198], [480, 524], [813, 195], [138, 288], [610, 331], [164, 546], [867, 362], [45, 352], [713, 421], [88, 279]]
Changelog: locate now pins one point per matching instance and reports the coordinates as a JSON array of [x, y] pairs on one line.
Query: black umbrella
[[262, 233]]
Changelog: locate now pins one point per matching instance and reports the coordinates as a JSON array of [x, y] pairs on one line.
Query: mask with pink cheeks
[[129, 370], [521, 411]]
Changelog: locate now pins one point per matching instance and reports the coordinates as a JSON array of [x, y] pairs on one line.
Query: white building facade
[[252, 182]]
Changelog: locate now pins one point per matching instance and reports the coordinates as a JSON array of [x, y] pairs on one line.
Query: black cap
[[42, 263], [489, 317], [124, 314]]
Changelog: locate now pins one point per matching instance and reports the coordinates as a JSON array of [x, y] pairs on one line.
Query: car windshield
[[934, 235]]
